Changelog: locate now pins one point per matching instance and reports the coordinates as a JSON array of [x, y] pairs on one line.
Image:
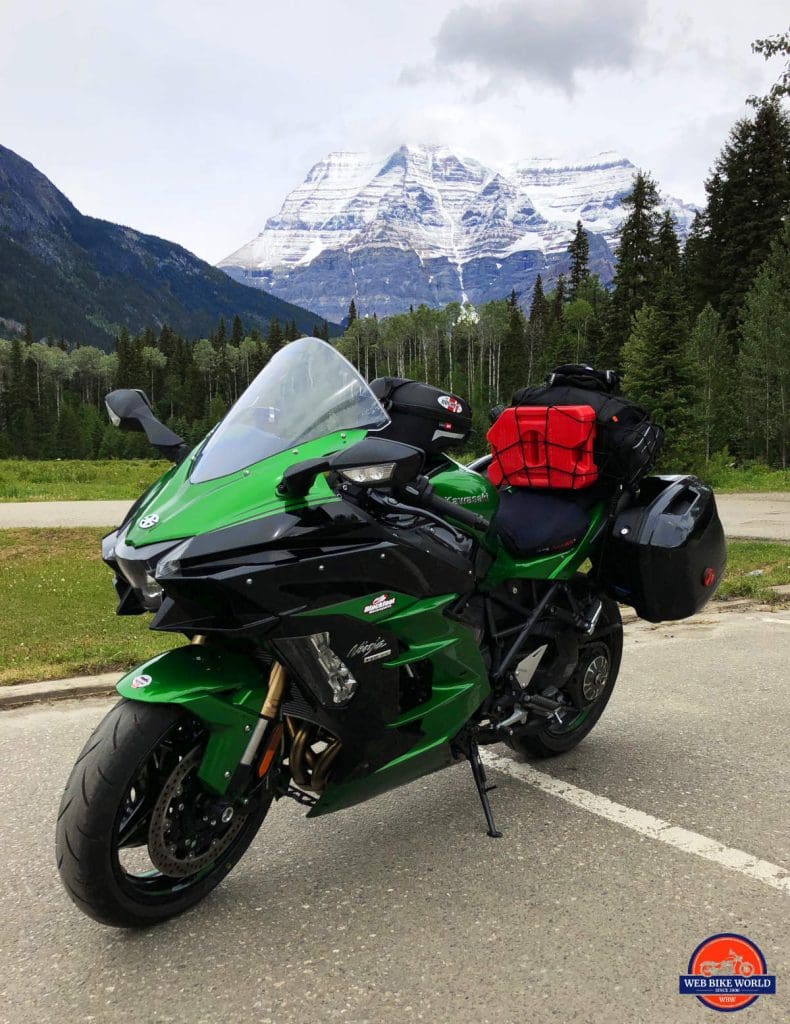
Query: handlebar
[[420, 492]]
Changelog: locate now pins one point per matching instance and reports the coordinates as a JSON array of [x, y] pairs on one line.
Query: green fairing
[[186, 509], [459, 687], [223, 689], [561, 566]]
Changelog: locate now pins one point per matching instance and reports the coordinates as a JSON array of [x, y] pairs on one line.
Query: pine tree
[[535, 332], [513, 369], [635, 277], [274, 337], [237, 331], [659, 374], [712, 356], [764, 361], [352, 313], [748, 196], [694, 265], [579, 252], [667, 247]]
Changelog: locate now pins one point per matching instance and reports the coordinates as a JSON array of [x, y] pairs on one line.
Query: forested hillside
[[701, 336]]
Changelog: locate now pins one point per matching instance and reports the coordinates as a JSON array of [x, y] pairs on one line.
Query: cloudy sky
[[191, 120]]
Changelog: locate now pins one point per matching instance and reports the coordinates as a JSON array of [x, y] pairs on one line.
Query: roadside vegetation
[[122, 479], [59, 606], [77, 479], [59, 609], [754, 569]]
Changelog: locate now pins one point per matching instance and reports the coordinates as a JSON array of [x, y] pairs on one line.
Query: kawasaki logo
[[469, 499]]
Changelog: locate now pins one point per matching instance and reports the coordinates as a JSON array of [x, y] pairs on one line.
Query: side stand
[[479, 774]]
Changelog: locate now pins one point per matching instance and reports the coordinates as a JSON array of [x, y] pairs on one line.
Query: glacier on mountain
[[425, 225]]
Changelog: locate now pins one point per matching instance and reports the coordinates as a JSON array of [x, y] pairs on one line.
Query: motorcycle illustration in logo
[[727, 972], [450, 403]]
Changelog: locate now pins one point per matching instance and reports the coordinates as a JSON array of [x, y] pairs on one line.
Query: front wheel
[[587, 692], [139, 838]]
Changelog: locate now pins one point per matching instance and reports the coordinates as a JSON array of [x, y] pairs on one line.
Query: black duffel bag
[[626, 444]]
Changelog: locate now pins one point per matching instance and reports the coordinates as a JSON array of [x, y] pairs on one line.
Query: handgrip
[[450, 510]]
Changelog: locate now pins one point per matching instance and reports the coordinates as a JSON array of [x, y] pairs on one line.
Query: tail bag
[[572, 431]]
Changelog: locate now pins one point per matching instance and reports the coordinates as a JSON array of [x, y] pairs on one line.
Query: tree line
[[700, 334]]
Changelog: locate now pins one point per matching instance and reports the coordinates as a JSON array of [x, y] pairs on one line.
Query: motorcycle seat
[[532, 522]]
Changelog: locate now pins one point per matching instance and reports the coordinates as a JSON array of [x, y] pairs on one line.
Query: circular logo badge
[[727, 972], [140, 682], [148, 521]]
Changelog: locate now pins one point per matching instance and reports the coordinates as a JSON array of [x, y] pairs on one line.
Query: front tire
[[106, 848], [589, 689]]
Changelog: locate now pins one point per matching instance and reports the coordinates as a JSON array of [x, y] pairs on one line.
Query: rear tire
[[113, 770], [606, 642]]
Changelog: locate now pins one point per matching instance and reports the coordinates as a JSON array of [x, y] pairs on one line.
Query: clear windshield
[[305, 391]]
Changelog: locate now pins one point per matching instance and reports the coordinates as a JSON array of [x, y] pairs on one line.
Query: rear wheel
[[139, 837], [587, 692]]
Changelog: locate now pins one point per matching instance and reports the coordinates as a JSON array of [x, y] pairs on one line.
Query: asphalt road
[[403, 910], [765, 516]]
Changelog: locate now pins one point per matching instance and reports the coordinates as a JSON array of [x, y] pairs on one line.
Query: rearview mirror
[[129, 409], [372, 462]]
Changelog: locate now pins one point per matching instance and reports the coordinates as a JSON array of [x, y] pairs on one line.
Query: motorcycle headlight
[[138, 577], [381, 473], [170, 564]]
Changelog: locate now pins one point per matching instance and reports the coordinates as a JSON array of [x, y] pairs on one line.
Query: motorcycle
[[359, 612]]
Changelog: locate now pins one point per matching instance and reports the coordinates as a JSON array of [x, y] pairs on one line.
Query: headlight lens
[[137, 576], [381, 473], [170, 564]]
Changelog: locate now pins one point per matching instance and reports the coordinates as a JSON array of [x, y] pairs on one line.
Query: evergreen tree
[[535, 332], [694, 265], [667, 248], [274, 337], [659, 374], [579, 252], [764, 361], [513, 370], [237, 331], [352, 313], [635, 277], [712, 356], [748, 196]]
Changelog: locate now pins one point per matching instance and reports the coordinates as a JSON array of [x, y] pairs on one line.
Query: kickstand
[[479, 773]]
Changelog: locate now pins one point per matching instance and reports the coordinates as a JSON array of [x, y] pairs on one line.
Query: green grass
[[755, 476], [77, 480], [745, 556], [58, 609], [59, 606]]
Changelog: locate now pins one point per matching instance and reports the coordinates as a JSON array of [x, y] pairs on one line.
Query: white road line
[[645, 824]]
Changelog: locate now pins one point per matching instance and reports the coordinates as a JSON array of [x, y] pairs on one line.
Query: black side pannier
[[666, 554], [423, 416], [626, 443]]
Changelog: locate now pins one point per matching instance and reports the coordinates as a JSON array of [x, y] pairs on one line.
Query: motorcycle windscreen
[[307, 390]]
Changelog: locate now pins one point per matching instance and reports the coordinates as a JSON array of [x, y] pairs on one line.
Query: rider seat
[[532, 522]]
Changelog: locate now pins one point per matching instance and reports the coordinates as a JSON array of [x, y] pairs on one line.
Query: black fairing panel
[[246, 577], [364, 724], [666, 553]]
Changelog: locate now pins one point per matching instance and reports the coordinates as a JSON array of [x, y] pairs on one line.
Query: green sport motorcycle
[[360, 612]]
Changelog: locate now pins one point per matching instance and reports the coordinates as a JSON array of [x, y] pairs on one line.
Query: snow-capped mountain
[[427, 225]]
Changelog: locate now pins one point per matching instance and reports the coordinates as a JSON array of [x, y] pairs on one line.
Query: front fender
[[222, 688]]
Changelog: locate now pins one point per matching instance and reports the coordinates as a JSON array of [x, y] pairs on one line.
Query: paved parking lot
[[402, 909]]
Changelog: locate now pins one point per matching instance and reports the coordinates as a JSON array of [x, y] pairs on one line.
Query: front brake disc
[[181, 855]]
